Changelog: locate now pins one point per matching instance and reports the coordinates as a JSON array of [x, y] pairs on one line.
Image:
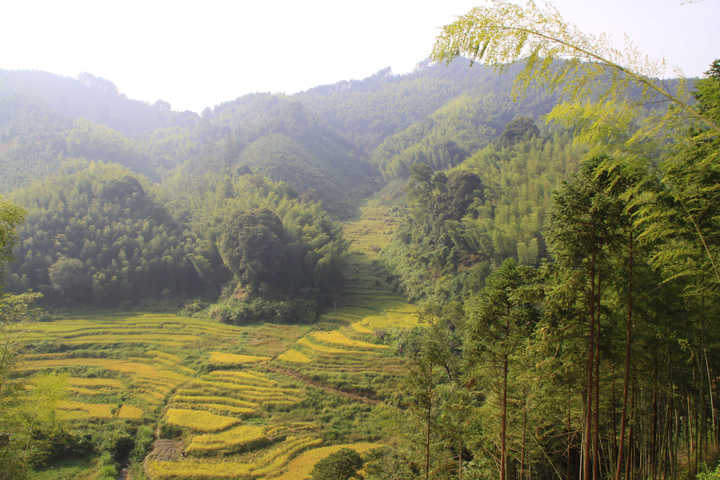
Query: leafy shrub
[[710, 474], [340, 465], [243, 312], [143, 441]]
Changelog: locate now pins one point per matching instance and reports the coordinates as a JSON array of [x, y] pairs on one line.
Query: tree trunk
[[428, 419], [596, 390], [569, 438], [712, 401], [503, 420], [628, 353], [460, 459], [524, 432], [589, 372]]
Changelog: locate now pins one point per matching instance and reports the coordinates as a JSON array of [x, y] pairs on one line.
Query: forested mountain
[[281, 138], [42, 124], [331, 142], [462, 223], [97, 235]]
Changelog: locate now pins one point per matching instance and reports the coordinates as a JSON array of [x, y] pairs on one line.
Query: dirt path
[[352, 396]]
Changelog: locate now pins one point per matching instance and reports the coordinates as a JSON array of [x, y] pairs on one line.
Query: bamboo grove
[[600, 361]]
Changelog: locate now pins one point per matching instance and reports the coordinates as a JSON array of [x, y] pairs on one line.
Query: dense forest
[[555, 224]]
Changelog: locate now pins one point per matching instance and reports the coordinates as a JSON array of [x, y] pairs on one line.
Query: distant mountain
[[277, 136], [336, 143], [91, 98]]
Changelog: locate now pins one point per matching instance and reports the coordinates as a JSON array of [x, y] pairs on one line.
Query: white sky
[[200, 53]]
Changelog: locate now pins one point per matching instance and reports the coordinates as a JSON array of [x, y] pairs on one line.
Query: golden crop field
[[337, 338], [245, 402], [230, 359], [230, 439], [293, 356], [199, 420], [82, 410]]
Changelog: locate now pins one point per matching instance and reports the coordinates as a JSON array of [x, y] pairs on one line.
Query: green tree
[[69, 276], [500, 320], [590, 68], [11, 216], [17, 446], [252, 245], [340, 465]]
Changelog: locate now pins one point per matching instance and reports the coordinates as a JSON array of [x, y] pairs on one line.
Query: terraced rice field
[[239, 399], [352, 356]]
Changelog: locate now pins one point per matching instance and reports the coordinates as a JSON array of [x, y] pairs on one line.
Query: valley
[[235, 402]]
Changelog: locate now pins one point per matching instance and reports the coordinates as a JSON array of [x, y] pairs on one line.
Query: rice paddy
[[244, 402], [230, 359], [229, 440], [199, 420]]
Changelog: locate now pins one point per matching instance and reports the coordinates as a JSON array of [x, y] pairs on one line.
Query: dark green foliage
[[100, 143], [280, 138], [252, 245], [388, 464], [275, 243], [144, 438], [454, 132], [341, 465], [253, 310], [493, 206], [11, 216], [129, 245], [521, 129], [369, 111], [69, 277], [428, 241]]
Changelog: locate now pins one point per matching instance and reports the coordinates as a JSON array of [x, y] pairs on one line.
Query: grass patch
[[293, 356], [235, 439], [337, 338], [130, 412], [230, 359], [199, 420], [76, 410]]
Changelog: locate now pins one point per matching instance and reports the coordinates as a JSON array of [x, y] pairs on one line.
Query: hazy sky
[[199, 53]]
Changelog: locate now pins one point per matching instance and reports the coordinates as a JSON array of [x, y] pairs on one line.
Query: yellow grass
[[321, 348], [243, 377], [122, 366], [300, 467], [166, 356], [130, 412], [94, 410], [212, 399], [338, 338], [293, 356], [199, 420], [361, 327], [169, 340], [219, 407], [229, 439], [151, 397], [196, 469], [369, 324], [95, 382], [90, 391], [238, 387], [223, 359], [278, 457]]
